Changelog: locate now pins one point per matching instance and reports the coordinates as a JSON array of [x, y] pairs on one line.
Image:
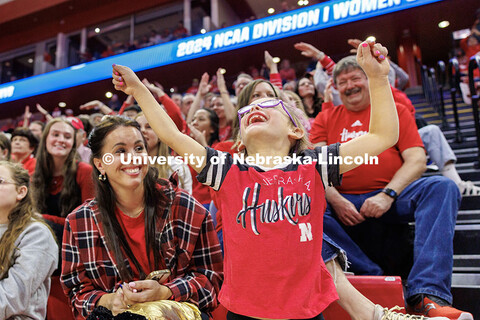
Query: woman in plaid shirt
[[136, 224]]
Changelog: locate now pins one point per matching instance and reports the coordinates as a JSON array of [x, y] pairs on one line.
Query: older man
[[392, 191]]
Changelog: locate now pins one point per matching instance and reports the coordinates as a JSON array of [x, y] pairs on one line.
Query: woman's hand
[[271, 65], [327, 94], [198, 136], [354, 43], [124, 79], [27, 114], [372, 57], [145, 291], [115, 302], [309, 51], [41, 109], [153, 88], [222, 87], [94, 104], [204, 86]]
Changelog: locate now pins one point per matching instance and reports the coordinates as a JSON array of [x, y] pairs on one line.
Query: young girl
[[273, 214], [28, 251]]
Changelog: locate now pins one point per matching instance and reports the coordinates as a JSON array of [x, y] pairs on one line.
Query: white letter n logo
[[306, 230]]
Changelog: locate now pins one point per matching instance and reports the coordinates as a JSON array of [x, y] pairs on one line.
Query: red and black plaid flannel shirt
[[188, 243]]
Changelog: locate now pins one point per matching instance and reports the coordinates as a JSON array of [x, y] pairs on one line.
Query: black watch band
[[390, 192]]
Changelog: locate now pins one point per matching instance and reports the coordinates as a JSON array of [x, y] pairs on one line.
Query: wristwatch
[[390, 192]]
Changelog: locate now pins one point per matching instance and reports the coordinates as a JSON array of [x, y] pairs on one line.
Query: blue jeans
[[432, 203]]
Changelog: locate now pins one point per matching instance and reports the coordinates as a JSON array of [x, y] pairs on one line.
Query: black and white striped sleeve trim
[[329, 172], [217, 165]]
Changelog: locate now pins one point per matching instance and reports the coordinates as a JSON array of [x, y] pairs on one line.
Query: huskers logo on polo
[[288, 208]]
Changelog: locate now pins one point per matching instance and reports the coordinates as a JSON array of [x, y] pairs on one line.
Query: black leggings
[[234, 316]]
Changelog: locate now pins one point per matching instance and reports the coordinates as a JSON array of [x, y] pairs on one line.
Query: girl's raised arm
[[383, 131], [127, 81]]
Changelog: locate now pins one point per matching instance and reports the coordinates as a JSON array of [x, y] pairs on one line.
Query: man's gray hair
[[347, 64]]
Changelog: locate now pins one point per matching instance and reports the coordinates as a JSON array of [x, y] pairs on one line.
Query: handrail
[[431, 91], [473, 64], [434, 93], [441, 85], [454, 78]]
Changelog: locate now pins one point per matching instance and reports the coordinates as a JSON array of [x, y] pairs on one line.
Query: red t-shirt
[[84, 180], [340, 125], [272, 228], [225, 133], [134, 231], [401, 98], [29, 164]]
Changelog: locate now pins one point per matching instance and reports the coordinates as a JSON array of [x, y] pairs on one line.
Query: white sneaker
[[382, 313], [468, 189]]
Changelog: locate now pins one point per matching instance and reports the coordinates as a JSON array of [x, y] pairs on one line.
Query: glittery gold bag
[[166, 310]]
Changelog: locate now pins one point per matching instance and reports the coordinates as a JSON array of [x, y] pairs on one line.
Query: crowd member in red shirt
[[286, 71], [136, 225], [60, 182], [24, 144], [299, 289], [391, 191]]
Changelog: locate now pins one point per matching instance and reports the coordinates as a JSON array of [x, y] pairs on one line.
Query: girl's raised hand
[[124, 79], [327, 94], [372, 57]]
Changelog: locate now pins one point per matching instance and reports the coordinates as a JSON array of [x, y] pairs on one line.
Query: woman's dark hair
[[70, 195], [5, 144], [106, 199], [214, 124], [26, 133], [87, 126], [317, 101]]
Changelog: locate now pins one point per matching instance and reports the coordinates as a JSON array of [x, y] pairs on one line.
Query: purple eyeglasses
[[265, 104]]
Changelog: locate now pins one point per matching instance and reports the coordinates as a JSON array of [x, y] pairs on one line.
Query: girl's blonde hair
[[18, 219]]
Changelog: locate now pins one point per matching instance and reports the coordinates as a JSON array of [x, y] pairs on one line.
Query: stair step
[[466, 262], [466, 239], [470, 203], [466, 298], [469, 280], [468, 217]]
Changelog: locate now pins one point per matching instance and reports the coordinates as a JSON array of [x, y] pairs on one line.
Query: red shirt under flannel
[[188, 242]]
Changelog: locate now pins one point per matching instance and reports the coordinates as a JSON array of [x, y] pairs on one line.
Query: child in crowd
[[273, 213], [28, 251]]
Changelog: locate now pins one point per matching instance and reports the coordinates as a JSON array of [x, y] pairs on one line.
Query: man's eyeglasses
[[265, 104]]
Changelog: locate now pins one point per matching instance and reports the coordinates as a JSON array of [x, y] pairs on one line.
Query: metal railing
[[454, 77], [473, 64], [439, 83], [431, 91]]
